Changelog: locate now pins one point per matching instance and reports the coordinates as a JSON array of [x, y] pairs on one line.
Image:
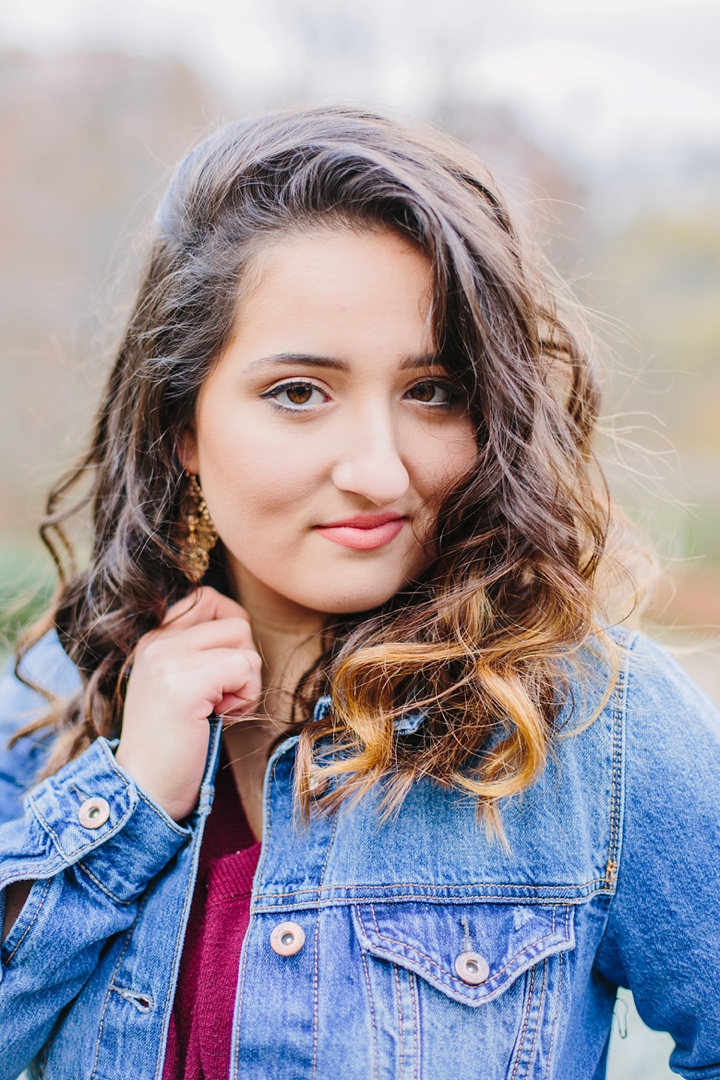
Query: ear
[[187, 451]]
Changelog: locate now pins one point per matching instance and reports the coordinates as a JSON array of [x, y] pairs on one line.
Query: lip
[[363, 532]]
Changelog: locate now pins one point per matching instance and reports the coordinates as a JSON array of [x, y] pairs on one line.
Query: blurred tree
[[660, 276], [86, 142]]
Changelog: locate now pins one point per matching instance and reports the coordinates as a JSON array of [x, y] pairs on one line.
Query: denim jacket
[[431, 949]]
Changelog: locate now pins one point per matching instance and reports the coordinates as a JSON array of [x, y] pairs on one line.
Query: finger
[[173, 641], [230, 672], [203, 605], [232, 633], [233, 707]]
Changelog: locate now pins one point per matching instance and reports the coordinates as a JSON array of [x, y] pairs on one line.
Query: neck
[[288, 638]]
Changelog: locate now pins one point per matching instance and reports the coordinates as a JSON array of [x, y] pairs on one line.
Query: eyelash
[[273, 393], [441, 384]]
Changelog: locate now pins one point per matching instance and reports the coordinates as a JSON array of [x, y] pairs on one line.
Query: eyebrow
[[411, 363]]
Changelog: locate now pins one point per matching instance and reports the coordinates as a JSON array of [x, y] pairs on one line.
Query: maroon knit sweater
[[201, 1024]]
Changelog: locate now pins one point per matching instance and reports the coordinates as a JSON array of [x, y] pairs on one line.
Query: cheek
[[441, 459], [249, 482]]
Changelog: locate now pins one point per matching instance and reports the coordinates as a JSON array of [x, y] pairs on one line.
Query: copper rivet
[[287, 938], [472, 968], [93, 813]]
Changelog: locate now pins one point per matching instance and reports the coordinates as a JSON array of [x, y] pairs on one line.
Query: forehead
[[373, 286]]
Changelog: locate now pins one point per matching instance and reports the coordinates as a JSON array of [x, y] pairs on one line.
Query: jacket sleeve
[[47, 665], [89, 872], [662, 936], [88, 880]]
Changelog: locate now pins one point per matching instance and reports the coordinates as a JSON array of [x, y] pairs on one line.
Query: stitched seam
[[103, 888], [240, 994], [163, 817], [541, 998], [316, 975], [615, 778], [114, 766], [77, 853], [235, 1048], [442, 970], [401, 1040], [266, 835], [376, 1054], [235, 1053], [120, 958], [551, 1045], [418, 885], [261, 908], [315, 1001], [31, 923], [526, 1019], [48, 828], [49, 870], [416, 1022], [116, 828]]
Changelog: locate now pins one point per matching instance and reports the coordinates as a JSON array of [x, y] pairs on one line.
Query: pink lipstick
[[363, 532]]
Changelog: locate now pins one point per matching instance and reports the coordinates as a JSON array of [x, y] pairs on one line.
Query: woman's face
[[327, 431]]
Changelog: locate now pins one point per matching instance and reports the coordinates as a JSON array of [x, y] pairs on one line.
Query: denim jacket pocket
[[432, 961], [470, 952]]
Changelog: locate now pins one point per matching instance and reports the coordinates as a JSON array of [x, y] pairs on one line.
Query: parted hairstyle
[[481, 641]]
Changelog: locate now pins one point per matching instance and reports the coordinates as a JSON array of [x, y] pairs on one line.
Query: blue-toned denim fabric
[[610, 876]]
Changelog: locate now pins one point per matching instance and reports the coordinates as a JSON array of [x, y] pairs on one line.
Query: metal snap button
[[93, 813], [472, 968], [287, 938]]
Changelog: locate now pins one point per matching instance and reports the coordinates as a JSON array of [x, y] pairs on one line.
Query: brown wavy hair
[[483, 641]]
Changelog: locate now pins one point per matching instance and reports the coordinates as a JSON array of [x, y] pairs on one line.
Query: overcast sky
[[599, 81]]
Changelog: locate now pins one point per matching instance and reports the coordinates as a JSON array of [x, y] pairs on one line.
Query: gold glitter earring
[[200, 533]]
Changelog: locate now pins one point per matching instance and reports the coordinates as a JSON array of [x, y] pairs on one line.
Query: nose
[[370, 463]]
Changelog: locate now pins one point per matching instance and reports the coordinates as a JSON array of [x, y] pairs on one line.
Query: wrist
[[175, 800]]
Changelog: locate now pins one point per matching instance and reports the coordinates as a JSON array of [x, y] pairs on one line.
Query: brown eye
[[430, 393], [299, 394], [296, 395]]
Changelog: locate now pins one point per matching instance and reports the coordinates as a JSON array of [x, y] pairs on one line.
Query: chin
[[336, 595], [346, 602]]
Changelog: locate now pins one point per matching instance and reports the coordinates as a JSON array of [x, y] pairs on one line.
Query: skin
[[326, 404]]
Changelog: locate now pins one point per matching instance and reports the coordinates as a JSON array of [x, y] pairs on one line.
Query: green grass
[[27, 580]]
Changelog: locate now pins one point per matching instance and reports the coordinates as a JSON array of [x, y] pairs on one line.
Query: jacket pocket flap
[[435, 941]]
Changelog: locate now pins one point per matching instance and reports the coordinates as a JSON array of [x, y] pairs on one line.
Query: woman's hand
[[202, 660]]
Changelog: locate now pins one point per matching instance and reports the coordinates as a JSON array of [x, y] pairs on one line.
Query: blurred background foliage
[[87, 140]]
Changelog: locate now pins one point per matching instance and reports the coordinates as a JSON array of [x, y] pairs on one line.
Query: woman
[[349, 539]]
